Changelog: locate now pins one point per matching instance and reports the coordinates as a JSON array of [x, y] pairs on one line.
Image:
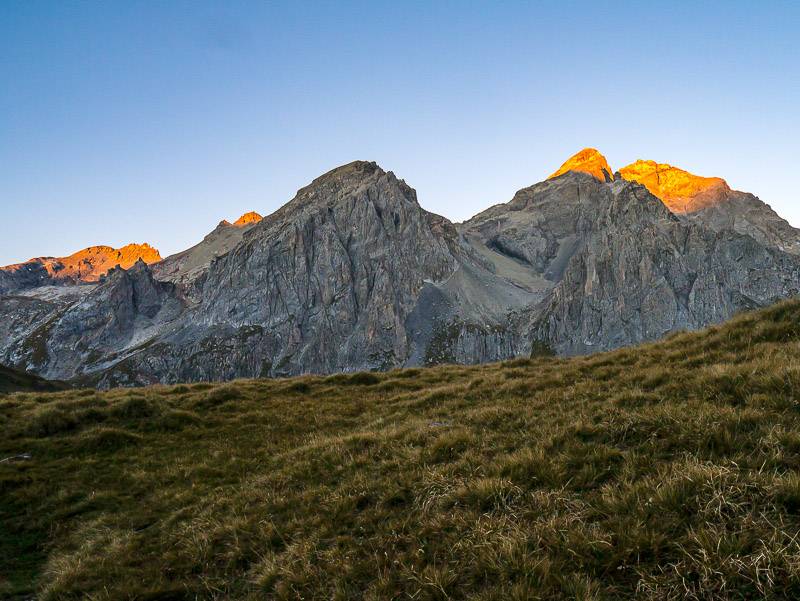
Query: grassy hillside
[[665, 471], [13, 380]]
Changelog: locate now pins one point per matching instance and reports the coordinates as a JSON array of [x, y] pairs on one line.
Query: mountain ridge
[[88, 265], [187, 266], [707, 200]]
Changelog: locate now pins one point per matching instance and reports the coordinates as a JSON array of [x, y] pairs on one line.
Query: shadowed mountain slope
[[13, 380]]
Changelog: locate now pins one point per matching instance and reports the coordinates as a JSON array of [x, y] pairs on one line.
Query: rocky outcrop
[[680, 190], [353, 274], [85, 266]]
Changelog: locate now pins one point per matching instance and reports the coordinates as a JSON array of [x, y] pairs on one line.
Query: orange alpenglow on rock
[[89, 264], [248, 218], [590, 161], [680, 190], [129, 254]]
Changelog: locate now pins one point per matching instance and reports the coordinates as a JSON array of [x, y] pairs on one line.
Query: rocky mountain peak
[[346, 177], [350, 171], [681, 191], [140, 265], [588, 160], [363, 180], [248, 219]]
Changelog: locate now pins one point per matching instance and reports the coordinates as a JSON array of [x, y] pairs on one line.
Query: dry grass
[[660, 472]]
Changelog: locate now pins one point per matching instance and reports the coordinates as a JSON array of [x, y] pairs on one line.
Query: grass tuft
[[107, 439]]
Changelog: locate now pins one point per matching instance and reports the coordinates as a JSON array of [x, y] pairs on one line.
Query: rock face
[[85, 266], [324, 284], [353, 274]]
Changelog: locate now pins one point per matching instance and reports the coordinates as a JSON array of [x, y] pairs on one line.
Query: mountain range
[[353, 274]]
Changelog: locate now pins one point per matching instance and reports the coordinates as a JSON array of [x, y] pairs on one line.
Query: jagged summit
[[588, 160], [185, 266], [93, 258], [681, 191], [344, 175], [132, 253], [347, 181]]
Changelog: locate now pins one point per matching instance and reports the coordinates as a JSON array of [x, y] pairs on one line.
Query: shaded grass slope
[[13, 380], [659, 472]]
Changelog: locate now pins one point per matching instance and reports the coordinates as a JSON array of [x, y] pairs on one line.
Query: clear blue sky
[[152, 121]]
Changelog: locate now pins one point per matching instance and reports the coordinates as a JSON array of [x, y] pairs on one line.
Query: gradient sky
[[152, 121]]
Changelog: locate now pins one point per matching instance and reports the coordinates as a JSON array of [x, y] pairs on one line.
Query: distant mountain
[[85, 266], [353, 274], [250, 218]]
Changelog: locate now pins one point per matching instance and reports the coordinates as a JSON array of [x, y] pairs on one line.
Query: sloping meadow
[[662, 471]]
